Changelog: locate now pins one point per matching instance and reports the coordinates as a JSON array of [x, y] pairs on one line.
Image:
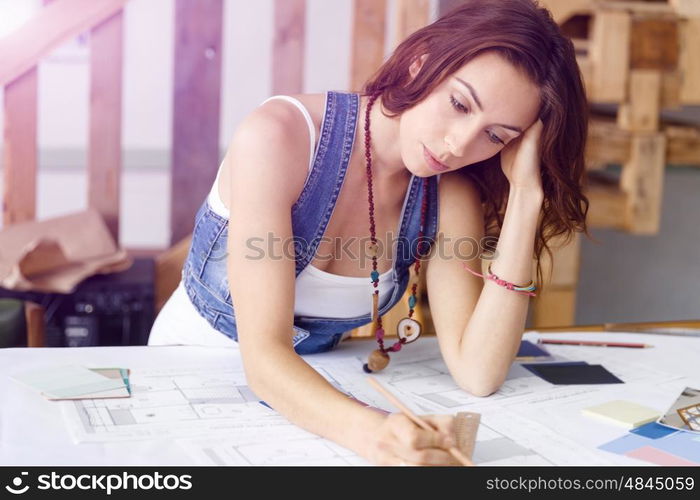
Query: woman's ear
[[416, 66]]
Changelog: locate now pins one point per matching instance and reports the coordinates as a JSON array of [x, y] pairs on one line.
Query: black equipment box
[[105, 309]]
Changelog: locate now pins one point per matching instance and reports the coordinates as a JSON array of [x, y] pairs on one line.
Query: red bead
[[379, 334]]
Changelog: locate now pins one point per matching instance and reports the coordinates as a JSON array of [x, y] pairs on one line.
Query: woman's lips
[[432, 162]]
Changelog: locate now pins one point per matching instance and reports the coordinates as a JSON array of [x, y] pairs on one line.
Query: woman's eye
[[458, 105], [461, 107], [494, 138]]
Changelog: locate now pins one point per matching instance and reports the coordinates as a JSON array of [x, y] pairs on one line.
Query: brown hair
[[527, 37]]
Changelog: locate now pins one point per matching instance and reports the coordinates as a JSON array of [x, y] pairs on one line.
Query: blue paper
[[653, 430], [627, 443], [529, 349], [572, 373], [682, 444], [532, 367]]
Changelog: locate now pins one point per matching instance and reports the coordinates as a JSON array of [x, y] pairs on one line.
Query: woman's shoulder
[[274, 137], [282, 109], [281, 119], [314, 103]]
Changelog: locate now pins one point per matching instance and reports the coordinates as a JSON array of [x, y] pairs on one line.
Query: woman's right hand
[[398, 441]]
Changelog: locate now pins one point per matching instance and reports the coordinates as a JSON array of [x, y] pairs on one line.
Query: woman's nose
[[462, 137], [457, 144]]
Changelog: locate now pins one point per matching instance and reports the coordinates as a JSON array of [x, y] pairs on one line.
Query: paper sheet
[[200, 395], [67, 381]]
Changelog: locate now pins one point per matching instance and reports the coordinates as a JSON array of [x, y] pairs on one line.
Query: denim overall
[[204, 273]]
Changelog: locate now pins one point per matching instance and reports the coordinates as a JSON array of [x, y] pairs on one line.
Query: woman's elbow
[[479, 388]]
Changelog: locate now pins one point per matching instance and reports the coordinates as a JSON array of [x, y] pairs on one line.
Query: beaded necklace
[[408, 329]]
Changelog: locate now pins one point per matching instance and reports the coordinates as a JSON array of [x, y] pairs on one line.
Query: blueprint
[[426, 386], [212, 414], [168, 403], [284, 444], [499, 442], [175, 402]]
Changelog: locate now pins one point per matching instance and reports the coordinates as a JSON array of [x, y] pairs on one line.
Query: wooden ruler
[[466, 426]]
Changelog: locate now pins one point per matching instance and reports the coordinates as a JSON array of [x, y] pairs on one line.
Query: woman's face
[[469, 117]]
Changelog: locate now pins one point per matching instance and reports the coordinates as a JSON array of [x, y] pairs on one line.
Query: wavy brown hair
[[526, 36]]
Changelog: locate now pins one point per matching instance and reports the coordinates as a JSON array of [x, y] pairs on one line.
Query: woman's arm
[[264, 156], [480, 325]]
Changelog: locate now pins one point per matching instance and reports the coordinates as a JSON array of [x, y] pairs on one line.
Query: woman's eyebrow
[[478, 103]]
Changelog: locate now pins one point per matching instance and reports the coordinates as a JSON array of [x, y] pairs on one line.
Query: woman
[[489, 101]]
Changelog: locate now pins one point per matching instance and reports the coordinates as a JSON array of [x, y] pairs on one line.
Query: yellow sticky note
[[623, 413]]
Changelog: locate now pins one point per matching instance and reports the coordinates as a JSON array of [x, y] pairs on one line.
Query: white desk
[[33, 431]]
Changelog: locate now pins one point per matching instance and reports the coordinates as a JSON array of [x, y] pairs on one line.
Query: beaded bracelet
[[528, 289]]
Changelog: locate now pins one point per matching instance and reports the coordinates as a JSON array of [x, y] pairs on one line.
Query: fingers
[[531, 140], [409, 456], [425, 447], [510, 150], [536, 127], [443, 423], [531, 136], [413, 436], [534, 131], [431, 456]]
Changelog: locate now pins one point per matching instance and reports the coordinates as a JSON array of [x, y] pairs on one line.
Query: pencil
[[593, 343], [415, 418]]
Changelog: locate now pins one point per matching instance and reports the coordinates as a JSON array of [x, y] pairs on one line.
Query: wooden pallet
[[642, 56], [628, 50]]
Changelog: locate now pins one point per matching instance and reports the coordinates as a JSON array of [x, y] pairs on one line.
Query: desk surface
[[34, 430]]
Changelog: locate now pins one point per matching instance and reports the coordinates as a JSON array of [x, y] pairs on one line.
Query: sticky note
[[622, 413]]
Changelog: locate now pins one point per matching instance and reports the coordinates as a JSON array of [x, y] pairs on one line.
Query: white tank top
[[318, 293]]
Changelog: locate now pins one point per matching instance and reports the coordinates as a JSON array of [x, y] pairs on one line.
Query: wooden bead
[[408, 330], [377, 360], [372, 250], [375, 306]]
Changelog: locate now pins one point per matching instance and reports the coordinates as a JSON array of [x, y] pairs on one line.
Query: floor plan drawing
[[278, 445], [169, 402]]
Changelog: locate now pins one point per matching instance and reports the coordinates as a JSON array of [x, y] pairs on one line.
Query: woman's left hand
[[520, 159]]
